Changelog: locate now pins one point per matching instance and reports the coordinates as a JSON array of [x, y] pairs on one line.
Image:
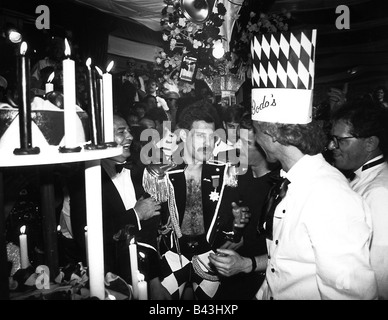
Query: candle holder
[[23, 75], [93, 146], [26, 151], [69, 150]]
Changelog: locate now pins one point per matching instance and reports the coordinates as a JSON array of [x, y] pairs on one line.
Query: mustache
[[204, 149]]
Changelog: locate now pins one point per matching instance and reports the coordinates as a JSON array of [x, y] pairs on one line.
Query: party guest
[[317, 229], [196, 215], [124, 203], [254, 183], [359, 143]]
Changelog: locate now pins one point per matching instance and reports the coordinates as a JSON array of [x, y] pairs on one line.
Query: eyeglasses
[[337, 140]]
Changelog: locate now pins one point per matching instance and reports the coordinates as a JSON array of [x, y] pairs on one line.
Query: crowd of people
[[225, 206]]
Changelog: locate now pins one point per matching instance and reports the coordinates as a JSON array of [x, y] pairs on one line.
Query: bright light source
[[218, 50], [14, 36]]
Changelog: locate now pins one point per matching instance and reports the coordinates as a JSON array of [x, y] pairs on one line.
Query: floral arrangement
[[184, 37], [256, 23]]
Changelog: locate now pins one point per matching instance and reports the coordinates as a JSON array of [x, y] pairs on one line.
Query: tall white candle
[[69, 99], [25, 262], [49, 85], [86, 246], [108, 103], [142, 286], [95, 234], [134, 268]]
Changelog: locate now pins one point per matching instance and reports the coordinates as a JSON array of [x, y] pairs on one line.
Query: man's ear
[[372, 143], [183, 135]]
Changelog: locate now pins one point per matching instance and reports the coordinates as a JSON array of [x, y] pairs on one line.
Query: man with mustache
[[197, 216], [359, 145]]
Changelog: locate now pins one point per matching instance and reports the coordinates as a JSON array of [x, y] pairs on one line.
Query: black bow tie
[[120, 166], [275, 195]]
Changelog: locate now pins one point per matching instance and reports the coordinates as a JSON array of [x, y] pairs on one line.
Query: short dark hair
[[232, 113], [157, 114], [365, 119], [198, 111]]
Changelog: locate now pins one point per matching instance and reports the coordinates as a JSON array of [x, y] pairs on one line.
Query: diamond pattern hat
[[283, 76]]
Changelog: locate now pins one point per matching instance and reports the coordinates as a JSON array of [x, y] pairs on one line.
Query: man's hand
[[337, 97], [147, 208], [229, 262], [233, 245]]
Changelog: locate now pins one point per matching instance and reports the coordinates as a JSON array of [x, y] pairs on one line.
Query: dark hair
[[198, 111], [365, 119], [246, 121], [157, 114], [233, 113], [308, 138]]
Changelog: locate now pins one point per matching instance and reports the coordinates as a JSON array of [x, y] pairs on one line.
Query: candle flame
[[132, 241], [23, 48], [23, 229], [67, 48], [110, 66], [58, 228], [88, 62], [99, 71], [51, 77]]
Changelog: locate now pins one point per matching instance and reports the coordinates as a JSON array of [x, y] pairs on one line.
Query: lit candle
[[100, 105], [23, 75], [25, 262], [69, 99], [134, 267], [49, 85], [86, 245], [92, 110], [142, 287], [108, 104]]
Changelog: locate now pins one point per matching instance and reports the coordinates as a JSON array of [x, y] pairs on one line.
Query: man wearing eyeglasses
[[359, 144]]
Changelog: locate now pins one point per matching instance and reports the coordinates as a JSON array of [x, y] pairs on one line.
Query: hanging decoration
[[187, 39], [252, 21]]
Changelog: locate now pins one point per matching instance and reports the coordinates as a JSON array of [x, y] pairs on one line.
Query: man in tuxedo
[[125, 207], [359, 145]]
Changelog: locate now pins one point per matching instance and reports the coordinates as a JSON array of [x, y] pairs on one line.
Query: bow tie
[[120, 166]]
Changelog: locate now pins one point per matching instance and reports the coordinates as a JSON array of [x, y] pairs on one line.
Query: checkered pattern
[[175, 277], [284, 60]]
